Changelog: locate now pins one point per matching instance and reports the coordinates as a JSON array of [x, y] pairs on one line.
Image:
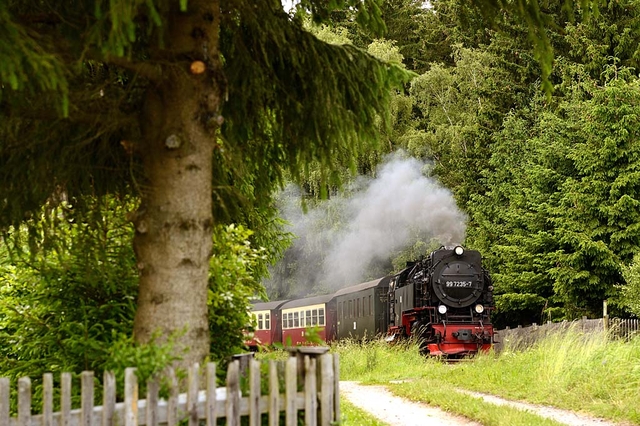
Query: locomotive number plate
[[463, 284]]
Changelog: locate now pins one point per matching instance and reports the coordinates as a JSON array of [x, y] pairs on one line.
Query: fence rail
[[311, 390], [522, 337]]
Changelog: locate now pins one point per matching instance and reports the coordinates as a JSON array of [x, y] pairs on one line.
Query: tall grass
[[568, 369], [375, 361]]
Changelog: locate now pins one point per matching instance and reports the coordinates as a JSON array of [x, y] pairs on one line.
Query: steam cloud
[[339, 242]]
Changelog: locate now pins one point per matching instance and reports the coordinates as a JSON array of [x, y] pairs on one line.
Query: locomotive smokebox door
[[457, 279]]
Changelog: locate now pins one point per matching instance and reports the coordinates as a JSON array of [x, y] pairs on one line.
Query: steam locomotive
[[444, 300]]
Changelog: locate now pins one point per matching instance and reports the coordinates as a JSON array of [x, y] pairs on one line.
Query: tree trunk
[[173, 238]]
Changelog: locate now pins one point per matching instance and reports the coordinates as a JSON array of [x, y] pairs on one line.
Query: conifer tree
[[197, 107]]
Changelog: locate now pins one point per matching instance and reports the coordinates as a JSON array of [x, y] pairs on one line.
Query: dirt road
[[396, 411]]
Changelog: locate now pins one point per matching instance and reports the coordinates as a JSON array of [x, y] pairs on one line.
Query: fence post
[[274, 394], [233, 397], [108, 398], [47, 399], [327, 384], [291, 390], [254, 392], [4, 400], [310, 392], [130, 397], [24, 401], [172, 404], [336, 387], [244, 362], [87, 398], [152, 402], [605, 317], [65, 398], [211, 411], [192, 394]]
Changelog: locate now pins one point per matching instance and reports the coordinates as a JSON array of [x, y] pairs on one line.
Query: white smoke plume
[[338, 242]]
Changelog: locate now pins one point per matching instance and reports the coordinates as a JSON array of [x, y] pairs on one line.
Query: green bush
[[68, 289]]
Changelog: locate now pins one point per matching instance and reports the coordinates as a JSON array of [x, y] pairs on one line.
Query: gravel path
[[396, 411], [563, 416]]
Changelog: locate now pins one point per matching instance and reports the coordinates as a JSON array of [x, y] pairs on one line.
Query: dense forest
[[525, 138], [548, 179]]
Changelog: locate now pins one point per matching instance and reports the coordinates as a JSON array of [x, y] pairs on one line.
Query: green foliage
[[67, 292], [150, 359], [519, 308], [319, 104], [386, 51], [630, 293], [232, 282], [332, 35], [367, 12], [31, 66], [318, 92], [457, 109]]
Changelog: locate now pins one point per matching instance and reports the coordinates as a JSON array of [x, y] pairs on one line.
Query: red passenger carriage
[[268, 328], [318, 312]]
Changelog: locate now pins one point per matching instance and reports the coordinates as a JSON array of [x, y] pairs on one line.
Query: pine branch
[[151, 72], [75, 116]]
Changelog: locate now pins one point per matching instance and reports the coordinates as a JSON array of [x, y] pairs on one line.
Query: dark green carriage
[[362, 309]]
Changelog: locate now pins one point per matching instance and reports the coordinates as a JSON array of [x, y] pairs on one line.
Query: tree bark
[[173, 238]]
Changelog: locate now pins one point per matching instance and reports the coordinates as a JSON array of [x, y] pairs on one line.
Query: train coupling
[[463, 334]]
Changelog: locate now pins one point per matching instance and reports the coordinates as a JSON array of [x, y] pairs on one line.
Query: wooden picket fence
[[311, 386], [523, 337], [622, 328]]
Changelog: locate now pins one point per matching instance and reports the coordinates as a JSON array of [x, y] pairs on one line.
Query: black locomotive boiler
[[445, 300]]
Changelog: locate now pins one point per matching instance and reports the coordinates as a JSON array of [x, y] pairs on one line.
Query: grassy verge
[[569, 370], [354, 416]]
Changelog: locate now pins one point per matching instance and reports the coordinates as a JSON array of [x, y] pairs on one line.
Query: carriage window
[[350, 310], [314, 317], [296, 321], [321, 316], [308, 318], [260, 324], [370, 305], [358, 308], [267, 321], [289, 320]]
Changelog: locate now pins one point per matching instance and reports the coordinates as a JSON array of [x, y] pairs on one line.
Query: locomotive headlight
[[458, 250], [442, 309], [479, 308]]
